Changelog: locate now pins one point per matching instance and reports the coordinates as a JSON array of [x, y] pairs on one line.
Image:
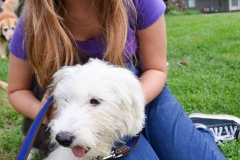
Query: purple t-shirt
[[148, 12]]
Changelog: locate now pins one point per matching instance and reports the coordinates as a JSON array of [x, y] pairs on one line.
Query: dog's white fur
[[8, 21], [119, 114]]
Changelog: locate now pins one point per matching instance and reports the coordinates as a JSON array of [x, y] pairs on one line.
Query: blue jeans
[[169, 134]]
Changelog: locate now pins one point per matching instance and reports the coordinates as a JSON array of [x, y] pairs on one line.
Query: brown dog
[[3, 85], [8, 21]]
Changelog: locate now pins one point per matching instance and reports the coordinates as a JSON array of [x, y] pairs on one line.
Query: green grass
[[10, 121], [208, 83], [209, 44]]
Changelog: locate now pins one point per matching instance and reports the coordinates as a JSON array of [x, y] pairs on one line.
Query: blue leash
[[32, 132]]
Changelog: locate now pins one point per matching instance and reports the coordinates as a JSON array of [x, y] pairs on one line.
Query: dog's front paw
[[3, 56], [3, 85]]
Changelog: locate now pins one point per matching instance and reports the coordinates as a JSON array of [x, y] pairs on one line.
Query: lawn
[[209, 45], [204, 74]]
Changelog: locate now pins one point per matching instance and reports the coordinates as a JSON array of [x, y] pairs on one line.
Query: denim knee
[[171, 133]]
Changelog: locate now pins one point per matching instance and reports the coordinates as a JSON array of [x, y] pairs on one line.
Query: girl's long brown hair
[[50, 45]]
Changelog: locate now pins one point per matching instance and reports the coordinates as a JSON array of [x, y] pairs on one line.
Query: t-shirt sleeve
[[148, 12], [17, 46]]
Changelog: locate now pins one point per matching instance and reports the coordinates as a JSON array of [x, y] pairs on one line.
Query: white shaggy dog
[[98, 104]]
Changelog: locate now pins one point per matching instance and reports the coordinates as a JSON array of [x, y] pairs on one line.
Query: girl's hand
[[52, 110]]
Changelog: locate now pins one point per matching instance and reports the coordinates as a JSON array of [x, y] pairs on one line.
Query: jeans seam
[[207, 142]]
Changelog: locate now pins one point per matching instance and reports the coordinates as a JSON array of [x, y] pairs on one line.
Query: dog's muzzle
[[64, 138]]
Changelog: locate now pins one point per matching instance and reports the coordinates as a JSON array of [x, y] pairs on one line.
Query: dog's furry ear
[[63, 73], [1, 25], [130, 91]]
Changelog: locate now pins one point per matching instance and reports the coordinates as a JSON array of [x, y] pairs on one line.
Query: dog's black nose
[[64, 138]]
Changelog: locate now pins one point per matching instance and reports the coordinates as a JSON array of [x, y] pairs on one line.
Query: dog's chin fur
[[120, 112]]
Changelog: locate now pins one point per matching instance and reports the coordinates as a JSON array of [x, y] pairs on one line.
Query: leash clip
[[118, 156], [112, 155]]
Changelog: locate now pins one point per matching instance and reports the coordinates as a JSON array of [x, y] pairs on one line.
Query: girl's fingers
[[52, 111]]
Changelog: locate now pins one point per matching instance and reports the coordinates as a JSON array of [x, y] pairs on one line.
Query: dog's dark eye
[[95, 102], [13, 28], [5, 29]]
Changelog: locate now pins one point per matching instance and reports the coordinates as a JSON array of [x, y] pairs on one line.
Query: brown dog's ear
[[1, 25], [1, 22], [2, 16]]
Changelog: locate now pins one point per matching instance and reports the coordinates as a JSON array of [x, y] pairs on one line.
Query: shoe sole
[[217, 116]]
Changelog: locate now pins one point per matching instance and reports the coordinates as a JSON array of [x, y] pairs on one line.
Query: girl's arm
[[20, 96], [152, 50]]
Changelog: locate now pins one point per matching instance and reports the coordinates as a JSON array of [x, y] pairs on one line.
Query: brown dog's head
[[8, 23]]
